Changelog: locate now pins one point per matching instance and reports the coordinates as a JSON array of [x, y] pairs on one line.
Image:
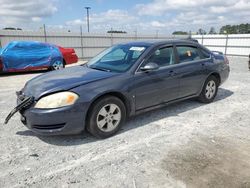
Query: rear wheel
[[209, 90], [106, 117], [57, 65]]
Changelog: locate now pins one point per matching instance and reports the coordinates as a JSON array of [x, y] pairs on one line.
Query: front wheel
[[209, 90], [106, 117], [57, 65]]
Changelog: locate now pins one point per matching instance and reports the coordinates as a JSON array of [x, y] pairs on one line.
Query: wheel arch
[[215, 74], [64, 62], [56, 59], [119, 95]]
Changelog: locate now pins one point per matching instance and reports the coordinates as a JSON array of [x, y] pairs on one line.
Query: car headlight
[[57, 100]]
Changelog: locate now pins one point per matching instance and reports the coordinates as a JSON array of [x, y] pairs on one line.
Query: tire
[[106, 117], [209, 90], [57, 65]]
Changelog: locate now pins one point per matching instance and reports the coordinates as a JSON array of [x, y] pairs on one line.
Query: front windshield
[[117, 58]]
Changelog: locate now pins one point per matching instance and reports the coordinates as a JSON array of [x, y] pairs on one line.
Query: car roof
[[158, 42]]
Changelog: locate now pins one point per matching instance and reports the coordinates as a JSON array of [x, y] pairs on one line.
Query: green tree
[[235, 29], [114, 31], [180, 33], [9, 28], [212, 31], [202, 32]]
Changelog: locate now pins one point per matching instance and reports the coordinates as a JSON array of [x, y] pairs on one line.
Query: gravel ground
[[188, 144]]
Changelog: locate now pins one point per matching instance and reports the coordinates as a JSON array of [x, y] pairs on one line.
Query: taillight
[[226, 59]]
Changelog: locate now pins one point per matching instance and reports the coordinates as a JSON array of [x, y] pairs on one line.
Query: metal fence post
[[156, 34], [0, 41], [136, 34], [202, 39], [111, 39], [81, 41], [249, 62], [226, 44], [45, 34]]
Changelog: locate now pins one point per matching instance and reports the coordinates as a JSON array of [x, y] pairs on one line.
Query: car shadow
[[171, 110], [133, 122], [6, 74]]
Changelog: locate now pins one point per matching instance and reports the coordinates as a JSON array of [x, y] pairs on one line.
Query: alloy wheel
[[210, 89], [57, 65], [108, 118]]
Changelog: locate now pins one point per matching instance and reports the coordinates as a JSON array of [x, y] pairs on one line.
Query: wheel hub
[[210, 89], [58, 65], [108, 117]]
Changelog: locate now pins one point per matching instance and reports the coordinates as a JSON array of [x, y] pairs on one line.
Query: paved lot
[[183, 145]]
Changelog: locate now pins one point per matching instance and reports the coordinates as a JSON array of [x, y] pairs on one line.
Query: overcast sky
[[145, 16]]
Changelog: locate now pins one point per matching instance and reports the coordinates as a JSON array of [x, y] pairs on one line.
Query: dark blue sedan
[[121, 81]]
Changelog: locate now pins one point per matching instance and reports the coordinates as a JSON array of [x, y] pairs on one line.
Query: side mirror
[[150, 67]]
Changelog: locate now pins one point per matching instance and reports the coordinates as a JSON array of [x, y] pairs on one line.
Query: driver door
[[157, 86]]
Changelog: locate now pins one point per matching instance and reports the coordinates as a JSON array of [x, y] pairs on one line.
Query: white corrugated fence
[[88, 45]]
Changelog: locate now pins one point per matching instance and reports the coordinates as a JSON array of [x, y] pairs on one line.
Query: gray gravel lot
[[188, 144]]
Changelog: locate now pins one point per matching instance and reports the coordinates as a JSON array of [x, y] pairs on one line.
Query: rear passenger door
[[192, 69]]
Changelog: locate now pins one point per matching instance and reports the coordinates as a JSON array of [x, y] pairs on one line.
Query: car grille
[[48, 127]]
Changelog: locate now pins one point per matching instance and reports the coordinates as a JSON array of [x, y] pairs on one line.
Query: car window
[[27, 50], [136, 54], [205, 54], [28, 46], [187, 53], [162, 57], [118, 58], [116, 55]]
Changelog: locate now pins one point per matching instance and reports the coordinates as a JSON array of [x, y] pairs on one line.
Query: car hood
[[62, 80]]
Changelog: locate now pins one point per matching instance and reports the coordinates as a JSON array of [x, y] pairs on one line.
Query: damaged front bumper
[[58, 121], [24, 102]]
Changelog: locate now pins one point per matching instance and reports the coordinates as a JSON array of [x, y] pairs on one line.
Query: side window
[[163, 57], [18, 46], [187, 53]]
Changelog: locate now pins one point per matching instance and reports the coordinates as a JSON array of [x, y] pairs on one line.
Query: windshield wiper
[[100, 68]]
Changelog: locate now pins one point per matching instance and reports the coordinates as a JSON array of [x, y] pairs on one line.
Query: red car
[[69, 55], [19, 56]]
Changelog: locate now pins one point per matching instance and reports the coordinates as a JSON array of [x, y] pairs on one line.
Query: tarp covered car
[[30, 55]]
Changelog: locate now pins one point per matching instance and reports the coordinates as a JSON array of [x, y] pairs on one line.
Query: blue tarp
[[18, 55]]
